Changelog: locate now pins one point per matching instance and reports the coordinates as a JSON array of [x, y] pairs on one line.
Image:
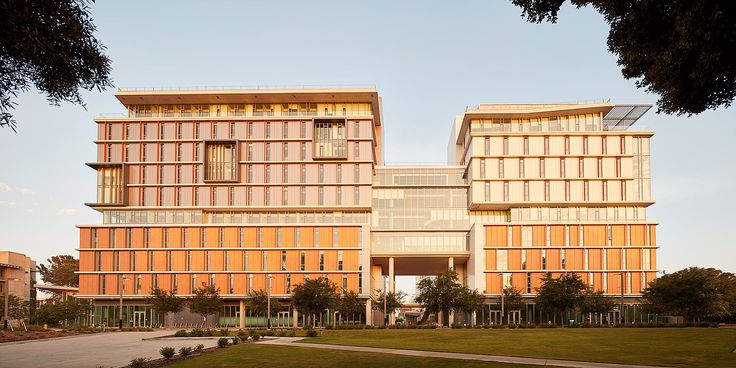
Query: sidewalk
[[294, 341]]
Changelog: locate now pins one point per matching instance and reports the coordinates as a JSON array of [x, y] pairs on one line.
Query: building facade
[[17, 276], [242, 189]]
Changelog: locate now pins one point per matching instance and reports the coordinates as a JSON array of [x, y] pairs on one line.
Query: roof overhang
[[623, 116], [265, 95]]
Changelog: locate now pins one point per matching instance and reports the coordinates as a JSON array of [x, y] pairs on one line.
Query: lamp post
[[385, 303], [502, 295], [122, 290], [268, 303]]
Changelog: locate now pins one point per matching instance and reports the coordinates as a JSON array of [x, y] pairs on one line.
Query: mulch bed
[[161, 362], [8, 336]]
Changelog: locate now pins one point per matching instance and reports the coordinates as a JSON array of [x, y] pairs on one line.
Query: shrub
[[138, 362], [180, 333], [167, 352], [198, 348], [312, 333], [185, 351], [223, 342], [255, 336], [243, 335], [235, 340], [196, 333], [207, 332]]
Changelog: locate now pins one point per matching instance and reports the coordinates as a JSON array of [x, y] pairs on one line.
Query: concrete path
[[110, 349], [294, 341]]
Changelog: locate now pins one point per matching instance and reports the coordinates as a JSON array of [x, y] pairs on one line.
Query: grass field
[[678, 347], [259, 355]]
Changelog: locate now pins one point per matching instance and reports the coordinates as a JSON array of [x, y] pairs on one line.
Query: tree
[[693, 293], [165, 302], [314, 296], [205, 301], [595, 303], [258, 303], [439, 294], [560, 295], [17, 307], [49, 46], [60, 313], [682, 50], [512, 298], [394, 301], [61, 271], [350, 305]]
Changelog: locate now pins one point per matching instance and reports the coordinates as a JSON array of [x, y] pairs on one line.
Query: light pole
[[122, 290], [502, 295], [621, 315], [268, 303], [385, 311]]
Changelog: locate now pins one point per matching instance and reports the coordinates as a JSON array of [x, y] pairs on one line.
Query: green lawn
[[680, 347], [259, 355]]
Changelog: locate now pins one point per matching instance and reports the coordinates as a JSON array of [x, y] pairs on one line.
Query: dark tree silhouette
[[48, 45], [682, 50]]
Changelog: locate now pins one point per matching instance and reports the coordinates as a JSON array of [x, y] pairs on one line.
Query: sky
[[428, 59]]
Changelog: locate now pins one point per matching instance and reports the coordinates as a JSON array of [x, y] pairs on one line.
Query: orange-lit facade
[[234, 188]]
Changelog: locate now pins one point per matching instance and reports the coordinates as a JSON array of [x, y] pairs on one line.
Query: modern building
[[247, 188], [17, 276]]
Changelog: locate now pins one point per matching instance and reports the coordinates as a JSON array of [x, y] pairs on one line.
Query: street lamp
[[385, 298], [502, 295], [122, 289], [268, 303]]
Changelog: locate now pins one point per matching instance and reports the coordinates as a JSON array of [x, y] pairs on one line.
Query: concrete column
[[368, 313], [391, 286], [451, 263], [391, 276], [296, 318], [242, 313], [451, 320], [472, 318]]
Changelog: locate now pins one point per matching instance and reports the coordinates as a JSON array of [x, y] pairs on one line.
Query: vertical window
[[581, 168], [259, 237], [285, 196], [202, 237], [356, 195], [221, 238], [502, 260], [303, 130], [116, 261], [285, 130], [526, 190], [356, 150], [249, 286], [283, 260], [546, 190], [264, 261], [279, 237], [250, 130], [268, 151], [339, 260], [321, 196], [221, 161], [523, 259], [189, 260], [586, 190], [344, 282], [321, 173], [486, 146], [482, 168], [288, 284], [93, 237], [585, 145], [129, 238], [500, 168], [356, 173], [521, 168], [245, 260], [562, 167], [151, 260], [303, 173], [298, 237], [541, 168], [506, 191], [546, 145], [321, 260], [563, 259], [169, 260], [207, 260], [302, 260], [526, 145], [339, 173], [302, 195], [316, 237], [544, 259], [528, 283], [250, 152], [335, 237], [505, 145], [303, 152], [600, 167], [268, 130], [487, 187], [268, 173]]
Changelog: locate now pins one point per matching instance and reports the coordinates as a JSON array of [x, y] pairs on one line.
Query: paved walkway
[[293, 341], [110, 349]]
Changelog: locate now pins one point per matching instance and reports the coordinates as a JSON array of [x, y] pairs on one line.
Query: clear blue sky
[[428, 59]]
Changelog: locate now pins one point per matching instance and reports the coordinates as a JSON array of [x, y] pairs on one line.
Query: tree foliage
[[50, 46], [512, 298], [17, 307], [314, 296], [60, 271], [693, 293], [60, 312], [394, 300], [682, 50], [258, 303], [205, 301], [561, 294], [165, 302], [596, 302], [444, 293], [350, 304]]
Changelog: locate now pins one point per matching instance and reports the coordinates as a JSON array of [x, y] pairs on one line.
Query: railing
[[231, 114], [244, 87]]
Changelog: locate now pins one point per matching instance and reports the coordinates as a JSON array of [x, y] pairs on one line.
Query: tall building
[[242, 189], [17, 276]]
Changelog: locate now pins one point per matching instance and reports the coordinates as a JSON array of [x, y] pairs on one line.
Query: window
[[505, 145], [316, 237], [264, 261], [302, 195], [285, 130], [541, 167], [302, 261], [562, 167], [93, 238], [298, 237], [329, 139], [303, 152], [586, 190], [546, 191], [189, 260], [268, 151], [544, 259], [339, 260], [356, 150], [335, 237], [521, 168], [303, 130], [585, 145], [245, 260], [249, 285], [110, 185], [279, 237], [356, 173], [129, 238], [321, 260], [506, 191], [283, 260], [285, 196], [259, 237], [482, 168], [487, 187], [526, 190], [528, 283], [500, 168], [268, 130], [169, 260], [116, 261], [221, 162], [321, 173], [523, 259], [303, 173], [563, 259], [502, 262], [356, 195], [321, 196], [288, 284], [546, 145]]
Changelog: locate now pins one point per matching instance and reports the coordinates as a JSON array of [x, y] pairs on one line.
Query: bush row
[[594, 325]]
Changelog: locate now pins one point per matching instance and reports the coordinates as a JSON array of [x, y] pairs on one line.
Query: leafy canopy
[[206, 300], [165, 302], [315, 295], [444, 293], [350, 304], [50, 46], [394, 300], [561, 294], [693, 293], [682, 50], [258, 303], [60, 271]]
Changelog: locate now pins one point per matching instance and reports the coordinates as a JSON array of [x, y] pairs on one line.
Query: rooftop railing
[[244, 87]]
